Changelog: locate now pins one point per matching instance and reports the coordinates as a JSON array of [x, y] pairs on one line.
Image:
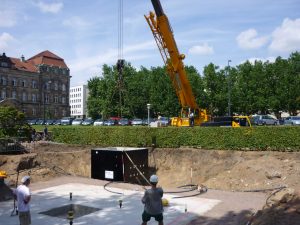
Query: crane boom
[[163, 35]]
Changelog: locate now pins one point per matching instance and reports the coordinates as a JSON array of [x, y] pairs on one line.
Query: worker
[[152, 200], [23, 199]]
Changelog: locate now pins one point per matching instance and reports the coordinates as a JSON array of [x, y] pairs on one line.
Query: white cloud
[[286, 38], [5, 39], [75, 22], [204, 49], [249, 39], [51, 7], [8, 18]]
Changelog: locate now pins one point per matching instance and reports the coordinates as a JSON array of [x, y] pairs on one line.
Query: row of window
[[76, 106], [32, 97], [34, 84], [75, 95], [34, 112], [53, 69], [75, 90], [75, 100], [75, 112]]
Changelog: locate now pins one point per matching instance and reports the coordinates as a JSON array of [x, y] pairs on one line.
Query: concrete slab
[[110, 213]]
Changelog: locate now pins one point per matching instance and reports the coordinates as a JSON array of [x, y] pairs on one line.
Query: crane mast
[[163, 35]]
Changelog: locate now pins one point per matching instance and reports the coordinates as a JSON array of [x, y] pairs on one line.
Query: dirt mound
[[282, 208]]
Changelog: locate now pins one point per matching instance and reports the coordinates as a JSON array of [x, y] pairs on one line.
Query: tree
[[13, 123]]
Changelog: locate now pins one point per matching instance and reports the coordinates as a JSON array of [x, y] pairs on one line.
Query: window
[[14, 82], [63, 100], [3, 80], [14, 95], [55, 99], [33, 111], [33, 97], [63, 87], [55, 86], [48, 85], [34, 84], [24, 97], [64, 112], [55, 112], [47, 98], [23, 83], [3, 94], [4, 64]]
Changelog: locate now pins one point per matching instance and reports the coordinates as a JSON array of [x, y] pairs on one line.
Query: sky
[[85, 32]]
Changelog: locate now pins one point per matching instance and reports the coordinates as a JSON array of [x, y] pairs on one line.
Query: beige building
[[39, 84]]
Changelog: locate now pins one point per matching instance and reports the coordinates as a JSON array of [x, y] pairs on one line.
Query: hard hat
[[165, 202], [24, 179], [153, 179]]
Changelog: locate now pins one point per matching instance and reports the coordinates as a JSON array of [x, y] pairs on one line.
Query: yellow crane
[[163, 35]]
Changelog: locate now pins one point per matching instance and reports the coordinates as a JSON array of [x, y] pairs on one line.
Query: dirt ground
[[220, 170]]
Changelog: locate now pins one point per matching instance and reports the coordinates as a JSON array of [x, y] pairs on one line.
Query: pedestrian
[[23, 199], [152, 201], [45, 133], [33, 133], [191, 119]]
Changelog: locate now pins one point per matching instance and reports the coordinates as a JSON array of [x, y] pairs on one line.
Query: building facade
[[40, 84], [78, 101]]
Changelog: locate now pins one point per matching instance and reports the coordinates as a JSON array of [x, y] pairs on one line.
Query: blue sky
[[85, 32]]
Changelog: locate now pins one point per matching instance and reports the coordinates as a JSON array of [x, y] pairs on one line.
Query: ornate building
[[40, 84]]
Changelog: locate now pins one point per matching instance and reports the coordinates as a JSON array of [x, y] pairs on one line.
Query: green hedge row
[[255, 138]]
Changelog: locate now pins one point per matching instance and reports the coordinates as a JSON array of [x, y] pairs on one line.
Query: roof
[[27, 66], [45, 57], [48, 58]]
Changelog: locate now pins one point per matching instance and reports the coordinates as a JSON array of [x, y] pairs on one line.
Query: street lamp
[[148, 107], [46, 87], [229, 87]]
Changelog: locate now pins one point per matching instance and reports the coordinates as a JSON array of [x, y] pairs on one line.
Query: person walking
[[23, 199], [152, 201]]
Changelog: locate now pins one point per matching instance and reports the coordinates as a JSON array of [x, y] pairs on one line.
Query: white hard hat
[[24, 179], [153, 179]]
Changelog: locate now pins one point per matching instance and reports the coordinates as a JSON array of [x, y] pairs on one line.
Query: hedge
[[275, 138]]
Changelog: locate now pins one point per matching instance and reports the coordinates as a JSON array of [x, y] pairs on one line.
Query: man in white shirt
[[23, 198]]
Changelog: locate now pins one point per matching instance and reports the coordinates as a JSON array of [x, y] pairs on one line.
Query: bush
[[226, 138]]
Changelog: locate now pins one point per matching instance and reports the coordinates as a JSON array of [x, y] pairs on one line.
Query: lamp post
[[148, 107], [229, 87]]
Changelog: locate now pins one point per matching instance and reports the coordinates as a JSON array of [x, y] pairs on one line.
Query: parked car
[[50, 122], [292, 120], [31, 122], [109, 122], [163, 122], [264, 120], [77, 121], [88, 122], [124, 122], [57, 122], [40, 122], [137, 122], [99, 122], [66, 121], [145, 121]]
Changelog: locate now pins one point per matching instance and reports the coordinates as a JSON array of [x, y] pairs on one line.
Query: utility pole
[[229, 87]]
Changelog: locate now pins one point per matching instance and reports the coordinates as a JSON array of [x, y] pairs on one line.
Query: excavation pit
[[78, 211]]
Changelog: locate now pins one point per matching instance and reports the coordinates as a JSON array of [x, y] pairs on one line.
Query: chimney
[[22, 58]]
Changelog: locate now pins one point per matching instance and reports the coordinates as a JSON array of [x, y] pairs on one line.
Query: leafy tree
[[13, 123]]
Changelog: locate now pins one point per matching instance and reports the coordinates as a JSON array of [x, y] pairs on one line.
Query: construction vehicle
[[228, 121], [163, 35]]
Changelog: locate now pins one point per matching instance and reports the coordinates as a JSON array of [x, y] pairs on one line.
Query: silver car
[[77, 122], [265, 120], [292, 120]]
